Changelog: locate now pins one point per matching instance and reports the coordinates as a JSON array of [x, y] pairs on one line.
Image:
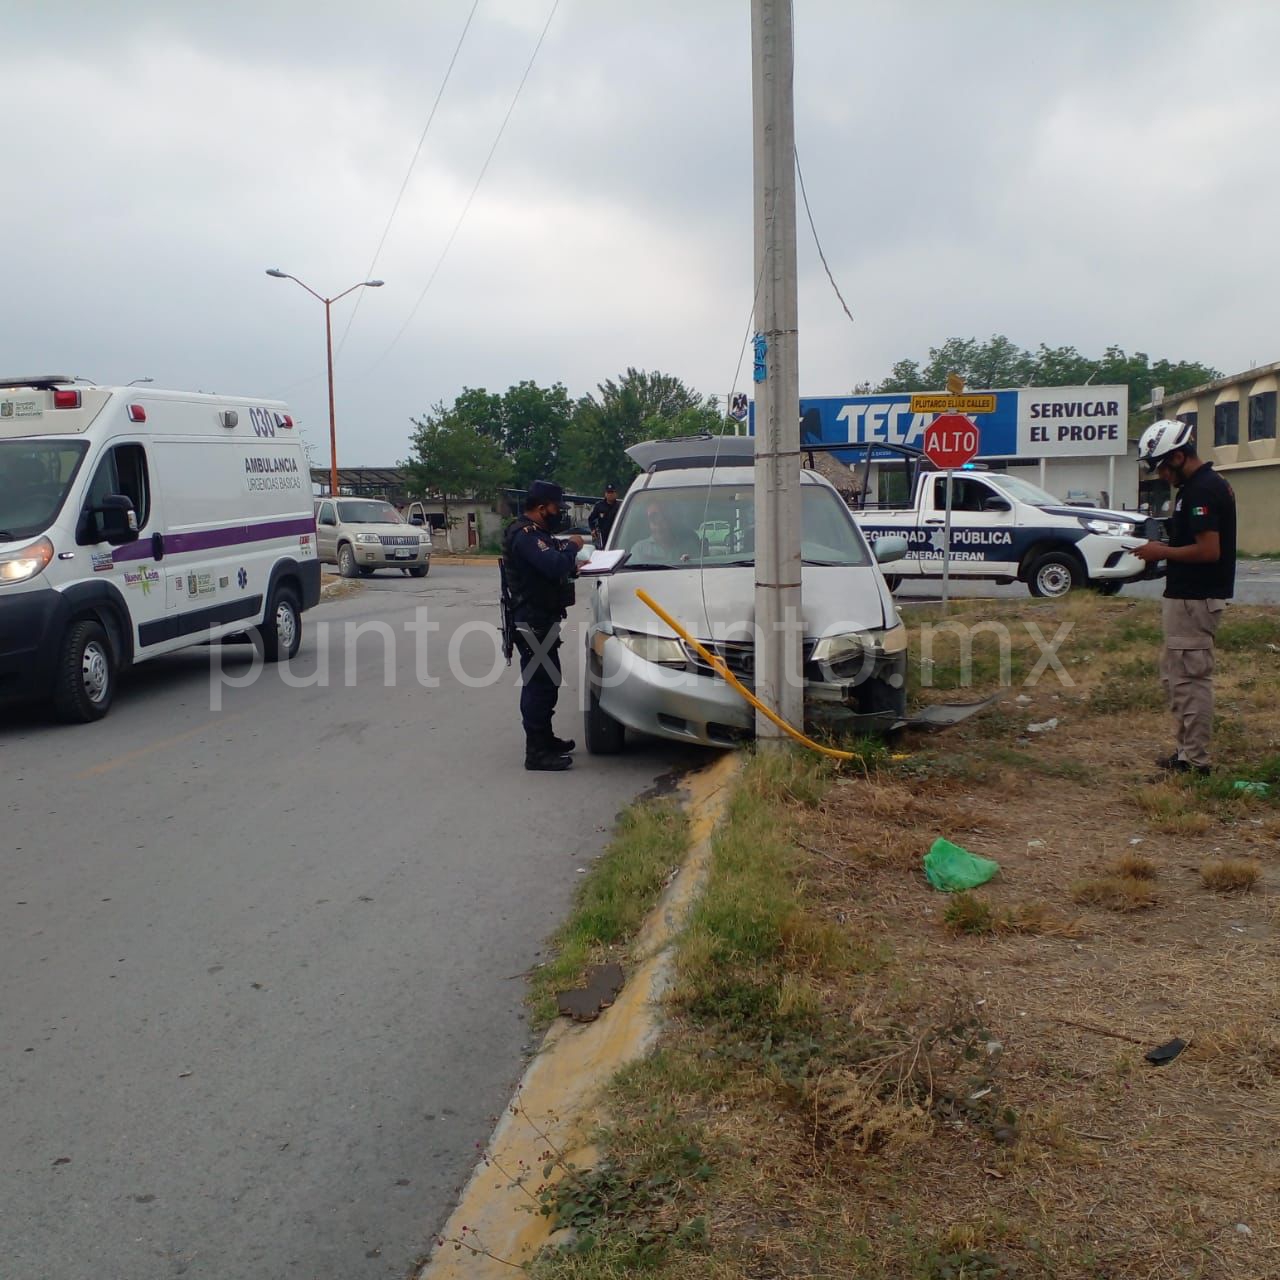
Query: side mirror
[[417, 519], [997, 504], [327, 520], [117, 520], [890, 549]]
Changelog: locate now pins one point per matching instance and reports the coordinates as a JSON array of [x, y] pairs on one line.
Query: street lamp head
[[279, 275], [374, 284]]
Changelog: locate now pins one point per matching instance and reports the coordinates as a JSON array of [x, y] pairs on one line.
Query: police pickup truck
[[1005, 529]]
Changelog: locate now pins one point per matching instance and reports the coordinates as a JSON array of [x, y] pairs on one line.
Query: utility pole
[[779, 630]]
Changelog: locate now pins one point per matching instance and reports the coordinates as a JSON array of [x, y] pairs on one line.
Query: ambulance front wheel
[[281, 630], [85, 679], [1053, 574]]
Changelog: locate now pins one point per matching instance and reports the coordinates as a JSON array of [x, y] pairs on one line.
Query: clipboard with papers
[[603, 563]]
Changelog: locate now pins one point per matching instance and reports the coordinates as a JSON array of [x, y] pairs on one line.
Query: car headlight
[[24, 563], [1114, 528], [368, 538], [879, 642], [662, 649]]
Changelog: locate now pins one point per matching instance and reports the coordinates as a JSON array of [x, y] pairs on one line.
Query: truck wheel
[[85, 677], [281, 631], [347, 561], [1110, 587], [419, 571], [604, 735], [1053, 574]]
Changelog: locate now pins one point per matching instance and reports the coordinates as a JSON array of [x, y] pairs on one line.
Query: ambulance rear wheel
[[1053, 574], [85, 679], [347, 561], [281, 631]]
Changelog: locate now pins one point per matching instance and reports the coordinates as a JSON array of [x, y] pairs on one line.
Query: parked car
[[641, 676], [362, 535]]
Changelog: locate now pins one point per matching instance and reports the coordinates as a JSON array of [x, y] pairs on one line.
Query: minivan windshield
[[368, 513], [715, 527], [35, 478]]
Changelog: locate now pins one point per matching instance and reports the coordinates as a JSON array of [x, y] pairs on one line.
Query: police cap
[[611, 487], [541, 491]]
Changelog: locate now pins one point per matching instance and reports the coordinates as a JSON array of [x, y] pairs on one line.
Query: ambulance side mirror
[[117, 520]]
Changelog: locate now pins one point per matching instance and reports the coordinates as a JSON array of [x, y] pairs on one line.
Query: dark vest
[[535, 598]]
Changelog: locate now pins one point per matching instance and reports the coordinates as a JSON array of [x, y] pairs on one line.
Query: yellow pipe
[[717, 665]]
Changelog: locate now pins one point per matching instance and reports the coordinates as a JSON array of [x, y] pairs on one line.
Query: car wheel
[[85, 680], [366, 571], [281, 632], [1109, 588], [1053, 574], [418, 571], [347, 561], [604, 735]]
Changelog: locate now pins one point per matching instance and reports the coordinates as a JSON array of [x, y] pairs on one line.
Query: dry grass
[[976, 1102], [1230, 875], [1115, 893]]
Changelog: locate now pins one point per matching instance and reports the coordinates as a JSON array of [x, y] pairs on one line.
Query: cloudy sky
[[1083, 173]]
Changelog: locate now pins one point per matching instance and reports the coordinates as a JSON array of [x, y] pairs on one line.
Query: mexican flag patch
[[1199, 511]]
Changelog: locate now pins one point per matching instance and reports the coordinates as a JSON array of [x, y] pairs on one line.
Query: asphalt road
[[1257, 582], [259, 992]]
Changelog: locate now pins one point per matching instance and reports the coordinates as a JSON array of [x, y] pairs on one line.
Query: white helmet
[[1162, 438]]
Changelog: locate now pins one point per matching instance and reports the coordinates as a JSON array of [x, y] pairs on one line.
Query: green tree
[[527, 422], [453, 460], [640, 405]]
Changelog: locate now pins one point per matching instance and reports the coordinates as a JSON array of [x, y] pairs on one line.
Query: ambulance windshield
[[35, 477]]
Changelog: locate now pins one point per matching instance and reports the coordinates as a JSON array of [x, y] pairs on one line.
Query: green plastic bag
[[950, 868]]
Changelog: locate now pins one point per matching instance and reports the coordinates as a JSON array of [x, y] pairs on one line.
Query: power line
[[395, 208], [479, 179], [809, 212]]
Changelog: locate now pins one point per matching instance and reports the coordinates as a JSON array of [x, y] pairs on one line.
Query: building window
[[1226, 424], [1191, 418], [1262, 416]]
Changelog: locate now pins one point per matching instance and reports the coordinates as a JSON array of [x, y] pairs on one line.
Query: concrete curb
[[556, 1104]]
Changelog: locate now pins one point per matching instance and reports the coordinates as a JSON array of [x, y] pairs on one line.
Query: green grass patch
[[1133, 685], [1244, 634], [652, 837]]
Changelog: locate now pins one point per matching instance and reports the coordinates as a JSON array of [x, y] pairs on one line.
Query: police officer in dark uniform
[[603, 514], [539, 571]]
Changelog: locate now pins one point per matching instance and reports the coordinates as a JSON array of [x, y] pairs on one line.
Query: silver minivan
[[687, 524]]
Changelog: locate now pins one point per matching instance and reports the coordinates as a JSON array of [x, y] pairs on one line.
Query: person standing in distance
[[603, 514], [539, 572], [1201, 578]]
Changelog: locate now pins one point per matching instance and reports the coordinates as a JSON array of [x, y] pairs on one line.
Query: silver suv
[[360, 535]]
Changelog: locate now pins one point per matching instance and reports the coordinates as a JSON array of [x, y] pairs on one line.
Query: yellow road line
[[97, 770], [556, 1103]]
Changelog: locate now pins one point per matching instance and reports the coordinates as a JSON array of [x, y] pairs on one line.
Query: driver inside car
[[667, 542]]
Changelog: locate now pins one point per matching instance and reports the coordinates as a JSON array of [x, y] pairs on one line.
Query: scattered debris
[[1045, 726], [950, 867], [1166, 1052], [1252, 788], [584, 1004]]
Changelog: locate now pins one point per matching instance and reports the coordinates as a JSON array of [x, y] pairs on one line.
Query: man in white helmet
[[1201, 556]]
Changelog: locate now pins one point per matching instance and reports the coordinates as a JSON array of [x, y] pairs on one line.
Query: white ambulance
[[134, 522]]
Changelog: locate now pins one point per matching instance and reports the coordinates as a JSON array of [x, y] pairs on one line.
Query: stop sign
[[950, 441]]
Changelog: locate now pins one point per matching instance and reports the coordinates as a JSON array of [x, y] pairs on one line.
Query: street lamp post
[[328, 342]]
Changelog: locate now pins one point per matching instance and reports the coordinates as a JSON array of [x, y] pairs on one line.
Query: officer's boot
[[541, 756]]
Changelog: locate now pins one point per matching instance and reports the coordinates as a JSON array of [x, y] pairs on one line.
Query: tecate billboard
[[1030, 422]]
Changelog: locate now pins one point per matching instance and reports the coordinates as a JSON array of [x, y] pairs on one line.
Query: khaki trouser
[[1186, 671]]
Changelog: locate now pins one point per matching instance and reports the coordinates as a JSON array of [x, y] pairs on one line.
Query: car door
[[134, 567], [982, 527], [327, 533]]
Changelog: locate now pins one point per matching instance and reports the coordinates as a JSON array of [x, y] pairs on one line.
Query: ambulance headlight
[[24, 563], [1114, 528]]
